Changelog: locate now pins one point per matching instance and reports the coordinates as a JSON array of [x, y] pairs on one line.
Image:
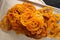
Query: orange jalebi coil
[[34, 23], [26, 19], [46, 11], [5, 25], [29, 6], [51, 21]]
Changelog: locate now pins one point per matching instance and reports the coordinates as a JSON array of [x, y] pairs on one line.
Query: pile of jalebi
[[26, 19], [51, 20]]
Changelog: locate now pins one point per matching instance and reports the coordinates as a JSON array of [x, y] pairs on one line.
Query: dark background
[[55, 3]]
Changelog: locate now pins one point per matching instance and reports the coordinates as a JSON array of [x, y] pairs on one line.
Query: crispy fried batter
[[25, 19]]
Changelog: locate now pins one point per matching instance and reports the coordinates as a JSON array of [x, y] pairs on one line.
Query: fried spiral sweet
[[51, 21], [30, 6], [26, 19], [46, 11], [5, 24], [34, 23]]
